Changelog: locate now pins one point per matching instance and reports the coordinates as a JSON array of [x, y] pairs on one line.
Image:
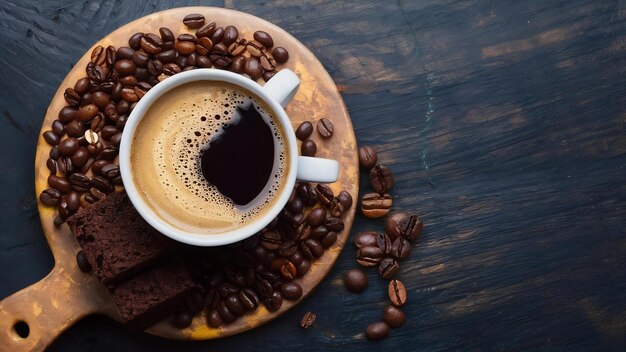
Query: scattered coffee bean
[[307, 320], [264, 38], [51, 164], [392, 225], [252, 68], [304, 130], [369, 256], [98, 55], [255, 48], [67, 114], [214, 319], [374, 205], [367, 157], [393, 316], [51, 138], [325, 128], [83, 263], [291, 291], [68, 146], [324, 194], [185, 47], [151, 43], [249, 298], [50, 197], [317, 216], [400, 249], [381, 179], [71, 97], [87, 112], [329, 239], [280, 54], [388, 268], [383, 242], [230, 35], [274, 302], [411, 227], [355, 280], [397, 292], [377, 331], [206, 31], [308, 148], [267, 75], [82, 86], [193, 20]]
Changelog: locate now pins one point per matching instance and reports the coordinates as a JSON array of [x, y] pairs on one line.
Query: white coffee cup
[[276, 93]]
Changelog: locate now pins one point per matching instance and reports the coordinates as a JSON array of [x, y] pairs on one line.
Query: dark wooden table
[[505, 125]]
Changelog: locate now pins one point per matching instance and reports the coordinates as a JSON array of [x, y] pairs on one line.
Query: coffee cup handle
[[317, 169], [283, 86]]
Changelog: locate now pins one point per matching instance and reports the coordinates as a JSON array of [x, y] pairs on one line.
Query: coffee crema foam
[[166, 151]]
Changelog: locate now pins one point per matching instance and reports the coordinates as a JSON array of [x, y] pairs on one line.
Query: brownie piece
[[116, 240], [151, 296]]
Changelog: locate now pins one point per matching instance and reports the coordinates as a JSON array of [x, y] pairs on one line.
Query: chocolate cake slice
[[151, 296], [115, 239]]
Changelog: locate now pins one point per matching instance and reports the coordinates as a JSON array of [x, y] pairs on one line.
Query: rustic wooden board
[[503, 121], [67, 295]]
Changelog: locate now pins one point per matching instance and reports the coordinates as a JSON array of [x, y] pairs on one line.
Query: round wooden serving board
[[67, 295]]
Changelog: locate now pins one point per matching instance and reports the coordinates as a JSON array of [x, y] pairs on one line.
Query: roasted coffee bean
[[270, 240], [83, 263], [291, 291], [325, 128], [203, 62], [255, 48], [134, 40], [296, 258], [116, 139], [237, 48], [400, 249], [317, 232], [225, 313], [100, 99], [308, 148], [97, 74], [227, 289], [80, 182], [329, 240], [296, 206], [214, 319], [284, 267], [51, 138], [82, 86], [397, 292], [97, 193], [68, 146], [80, 158], [122, 106], [267, 63], [65, 165], [263, 288], [50, 196], [280, 54], [59, 183], [411, 227], [124, 53], [204, 46], [367, 157], [267, 75], [110, 171], [304, 231], [369, 256], [336, 208], [171, 69], [71, 97], [274, 302], [94, 149], [125, 67], [140, 59], [67, 114], [151, 43], [108, 153], [121, 122], [374, 205], [51, 164], [287, 248], [97, 165], [107, 87], [249, 299], [307, 320], [315, 247], [212, 298], [355, 280], [220, 60], [58, 221], [388, 268], [393, 316], [334, 224], [155, 67], [166, 34], [185, 47], [140, 91], [304, 130], [72, 200], [230, 35], [142, 73], [392, 225], [217, 35], [316, 216], [383, 242], [103, 185], [129, 95], [75, 129], [377, 331], [181, 61], [87, 112], [234, 304], [308, 194], [111, 55], [98, 55], [324, 194], [264, 38], [206, 31], [381, 179], [108, 132], [193, 20], [182, 319], [303, 267], [96, 125]]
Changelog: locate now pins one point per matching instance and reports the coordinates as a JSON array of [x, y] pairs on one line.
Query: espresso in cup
[[209, 157]]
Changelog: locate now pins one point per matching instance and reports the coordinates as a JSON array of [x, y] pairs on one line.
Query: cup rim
[[139, 112]]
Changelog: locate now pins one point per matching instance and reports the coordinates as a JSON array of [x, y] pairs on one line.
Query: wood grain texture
[[505, 125]]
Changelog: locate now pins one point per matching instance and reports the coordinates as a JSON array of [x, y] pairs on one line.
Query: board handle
[[33, 317]]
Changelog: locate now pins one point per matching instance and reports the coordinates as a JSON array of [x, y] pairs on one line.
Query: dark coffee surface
[[501, 121], [239, 161]]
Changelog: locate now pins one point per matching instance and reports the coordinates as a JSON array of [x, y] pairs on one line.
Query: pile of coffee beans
[[86, 136], [384, 250]]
